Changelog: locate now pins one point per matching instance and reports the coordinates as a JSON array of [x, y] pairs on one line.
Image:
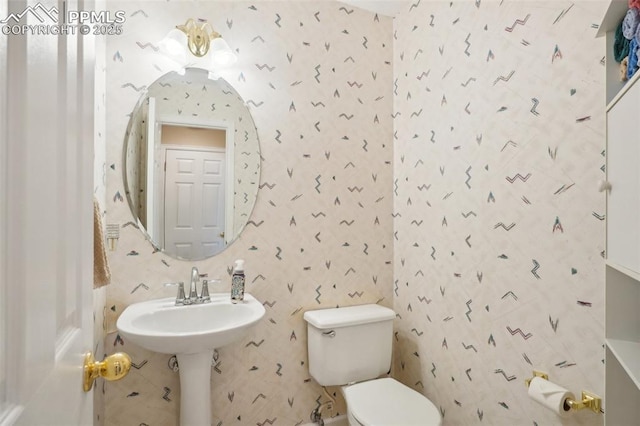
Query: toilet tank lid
[[348, 316]]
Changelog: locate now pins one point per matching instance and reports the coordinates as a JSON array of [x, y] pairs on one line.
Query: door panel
[[46, 186], [194, 200], [210, 199]]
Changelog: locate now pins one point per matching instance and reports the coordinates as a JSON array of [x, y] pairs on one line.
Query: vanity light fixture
[[206, 44]]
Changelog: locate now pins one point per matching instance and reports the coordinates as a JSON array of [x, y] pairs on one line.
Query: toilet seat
[[388, 402]]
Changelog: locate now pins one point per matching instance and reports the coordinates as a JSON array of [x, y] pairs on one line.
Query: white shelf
[[622, 396], [611, 19], [628, 355], [624, 88], [633, 274], [622, 271], [622, 305]]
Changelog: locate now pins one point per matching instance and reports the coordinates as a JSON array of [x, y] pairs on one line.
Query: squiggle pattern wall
[[499, 227]]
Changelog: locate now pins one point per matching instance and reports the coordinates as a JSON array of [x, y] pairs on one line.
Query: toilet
[[351, 347]]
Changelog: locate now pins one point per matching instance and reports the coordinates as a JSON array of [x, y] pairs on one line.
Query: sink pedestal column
[[195, 388]]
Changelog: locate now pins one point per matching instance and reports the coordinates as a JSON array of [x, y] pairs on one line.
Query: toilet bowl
[[351, 347], [387, 402]]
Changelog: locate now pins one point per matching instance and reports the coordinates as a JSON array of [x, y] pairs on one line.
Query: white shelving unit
[[622, 276]]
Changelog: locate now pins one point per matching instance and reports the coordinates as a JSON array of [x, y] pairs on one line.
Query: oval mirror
[[191, 164]]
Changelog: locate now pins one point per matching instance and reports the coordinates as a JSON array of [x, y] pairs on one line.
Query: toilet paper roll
[[550, 395]]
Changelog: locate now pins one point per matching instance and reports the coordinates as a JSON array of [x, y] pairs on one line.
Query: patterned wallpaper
[[491, 253], [317, 77], [499, 227]]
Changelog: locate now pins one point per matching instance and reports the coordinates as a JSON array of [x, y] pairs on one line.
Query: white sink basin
[[161, 326]]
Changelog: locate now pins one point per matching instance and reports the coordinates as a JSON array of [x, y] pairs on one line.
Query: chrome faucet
[[193, 292], [192, 297]]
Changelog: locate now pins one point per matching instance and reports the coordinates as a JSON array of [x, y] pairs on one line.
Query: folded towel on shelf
[[632, 66], [620, 44], [630, 23], [101, 272], [624, 64]]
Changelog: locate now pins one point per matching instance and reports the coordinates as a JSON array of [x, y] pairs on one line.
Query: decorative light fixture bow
[[198, 36], [207, 45]]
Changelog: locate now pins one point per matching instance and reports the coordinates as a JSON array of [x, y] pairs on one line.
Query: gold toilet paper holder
[[536, 373], [589, 400]]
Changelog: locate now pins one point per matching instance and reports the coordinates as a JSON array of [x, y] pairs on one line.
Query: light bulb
[[221, 53]]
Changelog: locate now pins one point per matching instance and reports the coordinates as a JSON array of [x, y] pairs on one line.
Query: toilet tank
[[349, 344]]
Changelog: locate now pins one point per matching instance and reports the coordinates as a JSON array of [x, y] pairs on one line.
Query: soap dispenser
[[237, 281]]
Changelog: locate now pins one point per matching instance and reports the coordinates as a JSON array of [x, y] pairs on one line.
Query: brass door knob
[[114, 367]]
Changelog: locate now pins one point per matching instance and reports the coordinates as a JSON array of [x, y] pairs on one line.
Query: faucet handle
[[204, 294], [180, 295]]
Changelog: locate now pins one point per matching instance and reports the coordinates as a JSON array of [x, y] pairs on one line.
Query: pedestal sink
[[190, 332]]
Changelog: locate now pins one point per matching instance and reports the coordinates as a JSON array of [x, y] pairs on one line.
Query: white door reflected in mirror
[[194, 200]]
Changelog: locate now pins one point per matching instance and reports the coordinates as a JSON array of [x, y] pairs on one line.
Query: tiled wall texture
[[499, 227], [443, 163], [318, 79]]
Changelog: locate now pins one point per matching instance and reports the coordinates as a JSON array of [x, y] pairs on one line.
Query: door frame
[[7, 407]]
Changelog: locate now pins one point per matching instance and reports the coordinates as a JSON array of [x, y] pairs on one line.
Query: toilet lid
[[388, 402]]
